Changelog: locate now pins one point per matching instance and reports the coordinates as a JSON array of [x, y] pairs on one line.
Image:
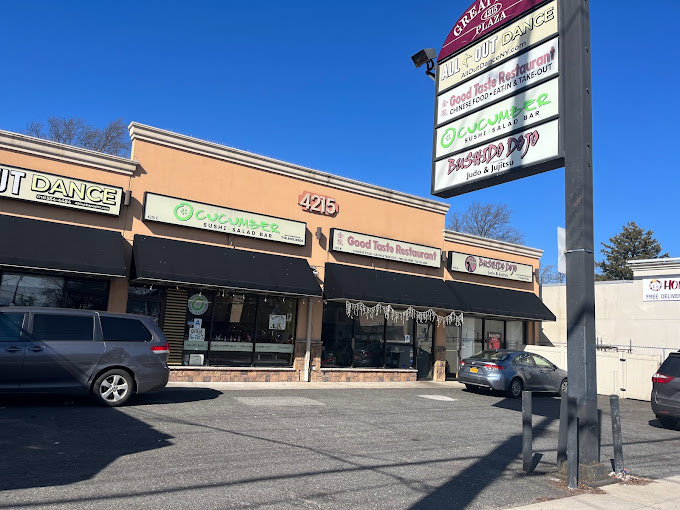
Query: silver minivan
[[110, 356]]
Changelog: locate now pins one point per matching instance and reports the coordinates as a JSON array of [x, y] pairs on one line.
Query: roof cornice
[[222, 152], [24, 144], [491, 244]]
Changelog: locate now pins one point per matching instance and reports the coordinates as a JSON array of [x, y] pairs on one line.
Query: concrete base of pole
[[592, 475]]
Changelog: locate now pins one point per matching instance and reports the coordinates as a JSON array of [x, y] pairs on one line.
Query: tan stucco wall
[[620, 316]]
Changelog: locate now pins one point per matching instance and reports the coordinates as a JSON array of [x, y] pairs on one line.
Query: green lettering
[[254, 224], [541, 100], [265, 226], [515, 111], [198, 213], [492, 122], [504, 115], [527, 104], [184, 211], [213, 217], [480, 124], [459, 131], [275, 228], [219, 220]]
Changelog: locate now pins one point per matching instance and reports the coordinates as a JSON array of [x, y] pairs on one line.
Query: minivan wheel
[[515, 388], [667, 421], [113, 388]]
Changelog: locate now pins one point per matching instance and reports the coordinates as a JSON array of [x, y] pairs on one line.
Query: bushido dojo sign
[[379, 247], [60, 191], [498, 104], [187, 213], [476, 264]]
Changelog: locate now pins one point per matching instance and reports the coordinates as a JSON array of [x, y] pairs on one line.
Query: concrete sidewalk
[[258, 386], [661, 494]]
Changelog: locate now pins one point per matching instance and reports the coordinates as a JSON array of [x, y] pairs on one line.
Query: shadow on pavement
[[49, 440]]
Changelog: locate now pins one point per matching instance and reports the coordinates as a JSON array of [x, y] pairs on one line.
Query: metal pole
[[562, 437], [616, 433], [581, 348], [572, 445], [527, 453]]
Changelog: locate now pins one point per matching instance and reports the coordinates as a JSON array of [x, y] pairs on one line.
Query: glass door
[[425, 350]]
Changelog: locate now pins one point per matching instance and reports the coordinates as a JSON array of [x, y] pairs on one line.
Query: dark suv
[[108, 355], [666, 391]]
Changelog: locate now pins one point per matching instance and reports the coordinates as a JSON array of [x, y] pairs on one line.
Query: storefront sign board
[[60, 191], [661, 289], [379, 247], [485, 266], [509, 78], [231, 346], [188, 213], [514, 38], [273, 347], [529, 107], [481, 18], [195, 345], [501, 156]]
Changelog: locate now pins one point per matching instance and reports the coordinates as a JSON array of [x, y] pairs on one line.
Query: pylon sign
[[498, 97]]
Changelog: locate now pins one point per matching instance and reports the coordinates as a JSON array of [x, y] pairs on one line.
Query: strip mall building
[[257, 269]]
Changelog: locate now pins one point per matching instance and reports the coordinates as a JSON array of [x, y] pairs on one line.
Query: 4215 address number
[[311, 202]]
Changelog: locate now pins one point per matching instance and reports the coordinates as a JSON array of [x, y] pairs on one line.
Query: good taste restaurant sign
[[379, 247], [485, 266], [187, 213], [57, 190]]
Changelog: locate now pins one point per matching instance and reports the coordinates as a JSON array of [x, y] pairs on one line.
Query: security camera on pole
[[513, 99]]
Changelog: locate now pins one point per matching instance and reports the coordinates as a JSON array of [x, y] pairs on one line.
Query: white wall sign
[[277, 322], [49, 189], [195, 345], [661, 289], [514, 38], [526, 108], [379, 247], [503, 155], [196, 333], [187, 213], [231, 346], [475, 264], [510, 77], [273, 347]]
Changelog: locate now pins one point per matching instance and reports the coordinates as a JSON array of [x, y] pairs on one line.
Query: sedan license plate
[[474, 370]]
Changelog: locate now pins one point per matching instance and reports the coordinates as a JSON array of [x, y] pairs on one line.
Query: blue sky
[[331, 86]]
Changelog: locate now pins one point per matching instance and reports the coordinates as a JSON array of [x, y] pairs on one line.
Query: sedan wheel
[[515, 389], [564, 387], [113, 388]]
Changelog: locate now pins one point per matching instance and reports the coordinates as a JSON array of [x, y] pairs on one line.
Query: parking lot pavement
[[416, 445]]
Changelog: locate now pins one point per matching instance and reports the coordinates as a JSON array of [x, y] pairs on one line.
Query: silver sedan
[[511, 372]]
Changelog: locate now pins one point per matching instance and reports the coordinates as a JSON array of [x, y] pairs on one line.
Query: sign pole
[[575, 20]]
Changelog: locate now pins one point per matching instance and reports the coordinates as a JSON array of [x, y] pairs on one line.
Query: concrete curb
[[259, 386]]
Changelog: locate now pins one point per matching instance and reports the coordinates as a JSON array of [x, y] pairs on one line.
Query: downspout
[[308, 353]]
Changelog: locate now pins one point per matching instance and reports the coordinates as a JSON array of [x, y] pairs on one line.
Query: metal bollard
[[527, 452], [616, 433], [562, 436]]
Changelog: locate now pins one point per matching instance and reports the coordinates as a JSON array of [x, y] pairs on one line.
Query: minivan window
[[671, 366], [52, 327], [124, 330], [10, 327]]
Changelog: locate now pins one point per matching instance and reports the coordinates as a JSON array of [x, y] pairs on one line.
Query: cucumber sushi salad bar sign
[[498, 101]]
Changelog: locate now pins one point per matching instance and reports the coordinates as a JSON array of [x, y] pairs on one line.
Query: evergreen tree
[[633, 243]]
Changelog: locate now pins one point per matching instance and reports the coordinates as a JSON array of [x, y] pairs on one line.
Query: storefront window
[[368, 341], [197, 328], [53, 291], [494, 332], [399, 344], [275, 331], [145, 301], [515, 334], [452, 336], [471, 341], [231, 343], [336, 335]]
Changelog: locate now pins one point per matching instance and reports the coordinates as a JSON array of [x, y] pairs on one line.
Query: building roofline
[[214, 150], [492, 244], [32, 146]]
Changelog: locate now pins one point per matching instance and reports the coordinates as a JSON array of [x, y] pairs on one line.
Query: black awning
[[44, 245], [179, 262], [376, 286], [501, 302]]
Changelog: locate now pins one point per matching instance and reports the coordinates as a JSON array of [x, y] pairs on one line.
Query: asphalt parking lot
[[426, 446]]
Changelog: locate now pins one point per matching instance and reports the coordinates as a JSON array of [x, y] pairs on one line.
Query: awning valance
[[47, 246], [157, 259], [501, 302], [344, 282]]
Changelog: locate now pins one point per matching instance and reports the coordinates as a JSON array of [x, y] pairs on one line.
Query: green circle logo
[[448, 137], [198, 304], [184, 211]]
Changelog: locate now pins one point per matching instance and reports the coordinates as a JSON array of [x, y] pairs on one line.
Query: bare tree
[[112, 139], [486, 220], [548, 274]]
